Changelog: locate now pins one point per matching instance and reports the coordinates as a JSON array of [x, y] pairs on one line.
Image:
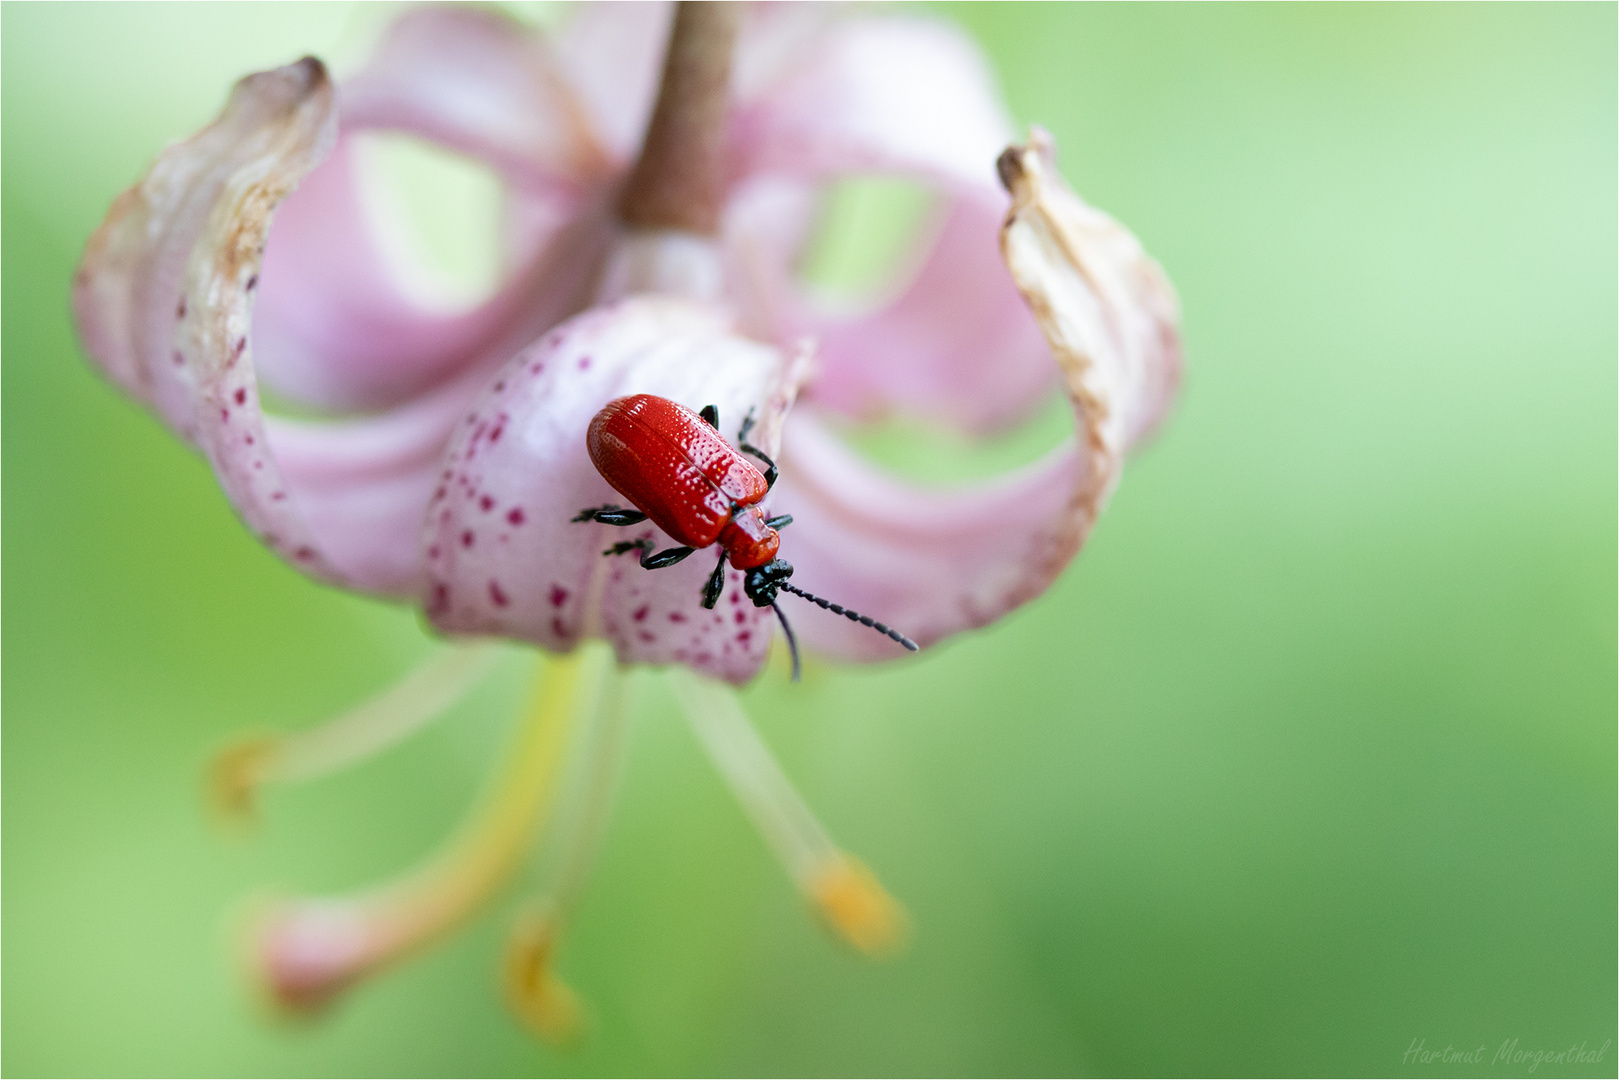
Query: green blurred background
[[1310, 757]]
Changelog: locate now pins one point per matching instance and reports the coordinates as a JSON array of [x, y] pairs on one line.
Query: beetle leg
[[711, 416], [770, 466], [780, 522], [715, 585], [743, 445], [610, 515], [666, 557]]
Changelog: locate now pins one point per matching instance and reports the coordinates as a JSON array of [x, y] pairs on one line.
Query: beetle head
[[763, 582]]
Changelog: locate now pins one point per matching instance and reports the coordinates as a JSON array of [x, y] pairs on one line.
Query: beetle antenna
[[839, 609], [792, 641]]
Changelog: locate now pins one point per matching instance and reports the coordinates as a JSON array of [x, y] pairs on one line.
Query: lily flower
[[654, 226]]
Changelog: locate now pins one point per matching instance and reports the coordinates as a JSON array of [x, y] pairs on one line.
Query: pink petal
[[878, 95], [502, 553], [956, 344], [335, 330], [930, 563], [612, 55], [483, 84], [363, 485], [912, 98], [1104, 305], [935, 562], [164, 293]]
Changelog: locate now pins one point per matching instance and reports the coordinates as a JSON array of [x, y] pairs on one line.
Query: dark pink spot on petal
[[180, 308], [741, 616], [498, 595], [276, 496], [515, 515], [241, 396], [647, 636], [224, 415], [641, 613], [487, 503], [559, 596], [500, 385], [676, 616], [439, 602], [584, 363], [467, 538], [304, 554], [558, 628], [434, 551], [179, 360]]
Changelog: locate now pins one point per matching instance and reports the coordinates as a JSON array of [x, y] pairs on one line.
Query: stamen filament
[[546, 1004], [845, 894], [578, 835], [311, 949], [353, 736]]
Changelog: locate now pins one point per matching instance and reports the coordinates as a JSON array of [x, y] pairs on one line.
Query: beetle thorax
[[747, 540]]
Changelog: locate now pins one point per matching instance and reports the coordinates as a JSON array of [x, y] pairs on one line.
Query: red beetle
[[677, 470]]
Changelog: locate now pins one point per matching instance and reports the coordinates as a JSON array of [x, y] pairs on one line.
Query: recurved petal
[[1106, 308], [335, 329], [909, 98], [164, 294], [362, 485], [936, 562], [479, 82], [338, 330], [877, 95], [955, 343], [504, 556], [612, 55]]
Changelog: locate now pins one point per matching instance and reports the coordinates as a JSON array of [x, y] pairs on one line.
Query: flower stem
[[679, 178]]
